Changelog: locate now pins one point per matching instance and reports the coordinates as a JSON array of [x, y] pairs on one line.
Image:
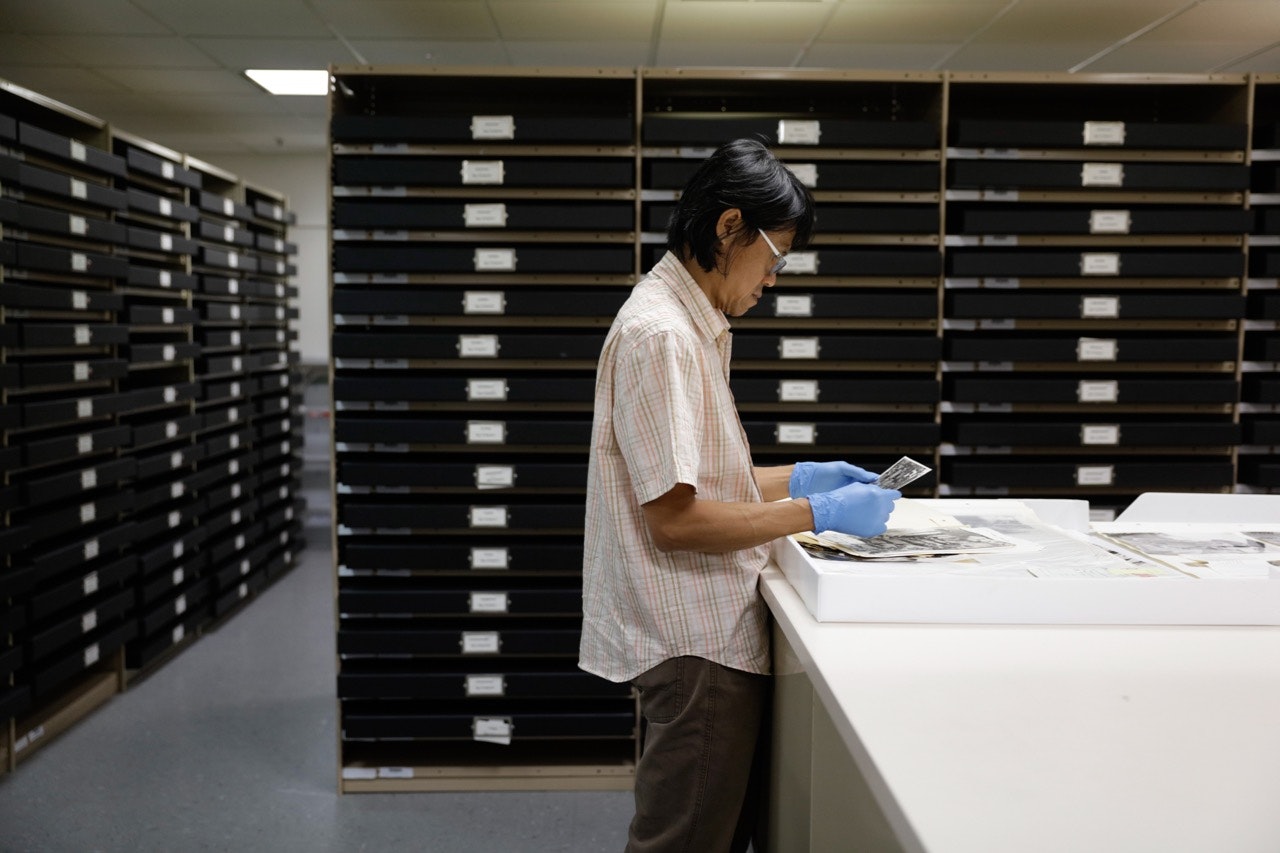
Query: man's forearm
[[774, 481], [688, 524]]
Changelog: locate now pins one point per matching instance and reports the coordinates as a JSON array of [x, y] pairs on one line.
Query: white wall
[[304, 179]]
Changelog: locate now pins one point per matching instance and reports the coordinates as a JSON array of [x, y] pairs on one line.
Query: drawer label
[[88, 479], [490, 558], [82, 335], [485, 215], [798, 348], [91, 655], [798, 391], [796, 433], [495, 476], [88, 512], [492, 730], [1108, 434], [1100, 307], [84, 444], [495, 260], [1103, 133], [493, 127], [1098, 391], [90, 583], [88, 621], [484, 302], [484, 172], [1099, 263], [486, 432], [80, 371], [1095, 475], [799, 132], [801, 263], [486, 389], [488, 516], [478, 346], [794, 306], [480, 642], [485, 685], [488, 602], [807, 173], [1102, 175], [1109, 222], [1096, 349]]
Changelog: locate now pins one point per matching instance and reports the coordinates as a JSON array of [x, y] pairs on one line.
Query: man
[[679, 520]]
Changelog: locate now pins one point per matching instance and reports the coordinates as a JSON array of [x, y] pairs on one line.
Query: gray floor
[[233, 746]]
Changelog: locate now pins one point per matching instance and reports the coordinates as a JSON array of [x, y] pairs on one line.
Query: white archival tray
[[832, 595]]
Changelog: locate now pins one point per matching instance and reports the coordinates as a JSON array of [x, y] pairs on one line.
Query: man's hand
[[808, 478], [858, 508]]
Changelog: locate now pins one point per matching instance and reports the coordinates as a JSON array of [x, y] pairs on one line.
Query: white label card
[[801, 263], [1093, 434], [488, 516], [88, 512], [79, 189], [78, 151], [1103, 133], [478, 346], [82, 335], [88, 479], [495, 260], [484, 215], [80, 371], [1099, 263], [485, 685], [799, 132], [492, 730], [486, 432], [1100, 307], [1095, 475], [88, 621], [493, 127], [796, 433], [490, 558], [483, 172], [84, 444], [794, 306], [495, 476], [484, 302], [1102, 175], [486, 389], [807, 173], [1109, 222], [1096, 349], [78, 225], [90, 583], [480, 642], [84, 408], [79, 300], [488, 602], [1098, 391], [798, 391], [798, 348], [91, 655]]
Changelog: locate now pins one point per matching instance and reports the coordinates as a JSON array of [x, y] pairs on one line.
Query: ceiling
[[171, 70]]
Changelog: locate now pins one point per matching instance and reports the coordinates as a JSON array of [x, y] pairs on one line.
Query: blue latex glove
[[808, 478], [858, 508]]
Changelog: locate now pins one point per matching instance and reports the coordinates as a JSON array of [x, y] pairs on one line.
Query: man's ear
[[729, 223]]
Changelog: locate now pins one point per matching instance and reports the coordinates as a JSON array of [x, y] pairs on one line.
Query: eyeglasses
[[779, 260]]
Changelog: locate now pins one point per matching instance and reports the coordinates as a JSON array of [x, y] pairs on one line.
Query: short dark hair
[[743, 174]]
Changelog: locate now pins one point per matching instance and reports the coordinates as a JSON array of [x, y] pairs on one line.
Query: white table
[[983, 739]]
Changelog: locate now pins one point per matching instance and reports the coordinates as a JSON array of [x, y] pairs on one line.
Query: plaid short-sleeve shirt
[[664, 415]]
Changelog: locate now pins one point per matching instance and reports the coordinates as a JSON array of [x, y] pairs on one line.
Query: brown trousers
[[698, 781]]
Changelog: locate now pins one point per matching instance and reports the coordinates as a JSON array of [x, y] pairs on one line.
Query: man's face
[[748, 271]]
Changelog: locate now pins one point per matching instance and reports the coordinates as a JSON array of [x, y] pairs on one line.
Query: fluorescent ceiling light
[[290, 82]]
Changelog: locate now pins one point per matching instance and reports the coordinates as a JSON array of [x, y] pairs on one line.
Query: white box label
[[84, 408], [79, 262], [1096, 349], [495, 476], [486, 389], [88, 512], [478, 346], [484, 302], [1100, 307], [91, 583], [480, 642], [492, 730], [1109, 222], [1091, 434], [91, 655], [799, 132], [166, 209], [235, 312], [80, 371], [178, 576], [88, 479], [1103, 133], [807, 173], [488, 602], [177, 490], [180, 605], [170, 429], [488, 172], [78, 151], [166, 170], [796, 433], [166, 242], [79, 300], [485, 685], [88, 621], [493, 127], [486, 432], [228, 207], [233, 260], [794, 306], [1102, 175], [490, 558], [801, 263], [798, 348], [175, 518], [1095, 475], [82, 335], [495, 260], [798, 391], [79, 189], [179, 632], [488, 516], [1099, 263], [84, 444], [78, 225], [484, 215], [175, 459], [228, 234], [1098, 391]]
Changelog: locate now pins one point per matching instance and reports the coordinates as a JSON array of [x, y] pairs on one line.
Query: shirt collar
[[710, 321]]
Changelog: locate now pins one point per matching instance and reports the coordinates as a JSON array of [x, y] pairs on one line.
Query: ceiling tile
[[1019, 57], [573, 20], [185, 81], [590, 53], [721, 24], [697, 53], [77, 16], [1238, 21], [432, 19], [287, 18], [888, 22], [62, 83], [1167, 57], [1267, 61], [413, 52], [911, 57], [275, 52], [1100, 22], [119, 51], [31, 50]]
